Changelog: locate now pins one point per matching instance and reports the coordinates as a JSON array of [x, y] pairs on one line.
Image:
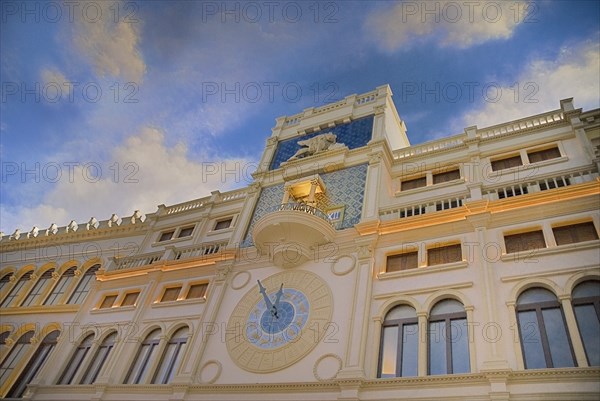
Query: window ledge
[[112, 309], [423, 270], [178, 302], [531, 254]]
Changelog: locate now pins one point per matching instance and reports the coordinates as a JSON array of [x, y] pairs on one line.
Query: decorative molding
[[240, 279], [215, 375], [338, 268], [320, 361]]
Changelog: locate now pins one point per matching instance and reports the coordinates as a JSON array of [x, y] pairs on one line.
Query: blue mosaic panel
[[269, 198], [354, 134], [343, 187], [347, 187]]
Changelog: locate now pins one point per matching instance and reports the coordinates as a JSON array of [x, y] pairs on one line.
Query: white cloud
[[53, 76], [111, 46], [451, 23], [540, 86], [143, 173]]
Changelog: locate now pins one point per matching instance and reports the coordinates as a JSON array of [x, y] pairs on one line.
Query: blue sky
[[109, 107]]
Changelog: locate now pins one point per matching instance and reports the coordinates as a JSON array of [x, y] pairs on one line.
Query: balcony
[[290, 233]]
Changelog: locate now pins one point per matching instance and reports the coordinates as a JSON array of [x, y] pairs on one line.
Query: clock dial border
[[292, 348]]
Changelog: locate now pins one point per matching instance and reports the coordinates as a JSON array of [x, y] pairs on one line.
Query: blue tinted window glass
[[589, 327], [531, 341]]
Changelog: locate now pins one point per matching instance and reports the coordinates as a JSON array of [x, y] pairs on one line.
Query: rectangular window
[[508, 162], [541, 155], [185, 232], [170, 294], [447, 176], [197, 291], [575, 233], [524, 241], [412, 184], [130, 298], [108, 302], [444, 254], [403, 261], [166, 236], [223, 224]]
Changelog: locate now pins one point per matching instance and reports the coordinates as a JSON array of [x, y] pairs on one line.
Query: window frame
[[20, 349], [444, 174], [189, 287], [418, 180], [538, 307], [114, 297], [437, 247], [447, 318], [13, 294], [125, 295], [180, 230], [82, 350], [536, 230], [573, 227], [61, 286], [400, 323], [161, 234], [153, 345], [180, 343], [92, 370], [541, 150], [583, 301], [401, 255], [40, 287], [223, 220], [89, 275], [33, 366], [497, 161], [170, 287]]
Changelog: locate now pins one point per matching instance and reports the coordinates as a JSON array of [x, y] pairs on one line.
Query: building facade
[[355, 266]]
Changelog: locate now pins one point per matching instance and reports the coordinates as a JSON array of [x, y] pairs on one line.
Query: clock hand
[[264, 294], [277, 299]]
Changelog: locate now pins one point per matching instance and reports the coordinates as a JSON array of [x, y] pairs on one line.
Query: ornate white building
[[355, 267]]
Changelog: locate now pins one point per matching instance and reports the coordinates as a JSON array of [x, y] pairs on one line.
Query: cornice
[[75, 237], [39, 309]]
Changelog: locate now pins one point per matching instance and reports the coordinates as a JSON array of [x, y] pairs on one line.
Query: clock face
[[262, 341]]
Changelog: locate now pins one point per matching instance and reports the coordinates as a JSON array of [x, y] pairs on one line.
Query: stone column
[[359, 315]]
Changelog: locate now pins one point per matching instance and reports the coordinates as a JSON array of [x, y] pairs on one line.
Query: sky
[[111, 107]]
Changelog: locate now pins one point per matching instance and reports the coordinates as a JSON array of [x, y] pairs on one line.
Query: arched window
[[34, 365], [59, 289], [14, 356], [38, 288], [16, 289], [448, 339], [3, 337], [543, 332], [75, 363], [5, 280], [398, 352], [171, 357], [99, 359], [143, 359], [84, 285], [586, 304]]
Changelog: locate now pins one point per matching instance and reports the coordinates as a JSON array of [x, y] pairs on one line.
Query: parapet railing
[[540, 120], [170, 253], [300, 207]]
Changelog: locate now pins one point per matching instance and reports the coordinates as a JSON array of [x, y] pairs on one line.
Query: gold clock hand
[[264, 294]]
